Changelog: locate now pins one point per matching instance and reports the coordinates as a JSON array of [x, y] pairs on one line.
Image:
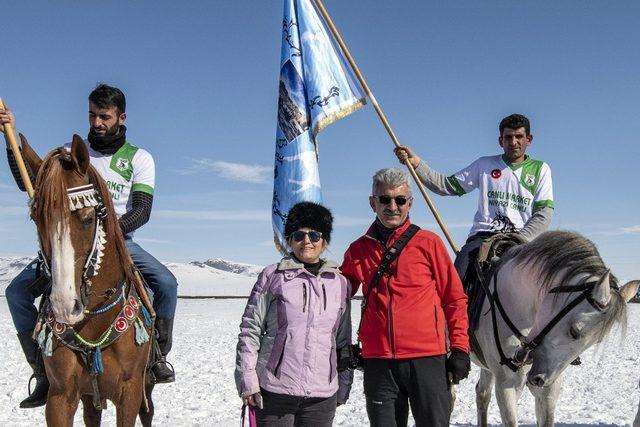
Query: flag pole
[[384, 120], [10, 137]]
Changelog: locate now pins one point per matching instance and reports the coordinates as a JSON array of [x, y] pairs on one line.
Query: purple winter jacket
[[291, 329]]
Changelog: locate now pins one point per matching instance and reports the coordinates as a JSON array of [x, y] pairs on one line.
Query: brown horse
[[94, 331]]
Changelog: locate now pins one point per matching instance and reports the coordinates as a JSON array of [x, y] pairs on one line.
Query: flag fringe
[[344, 112]]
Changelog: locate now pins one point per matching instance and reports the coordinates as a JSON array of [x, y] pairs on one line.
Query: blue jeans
[[21, 292]]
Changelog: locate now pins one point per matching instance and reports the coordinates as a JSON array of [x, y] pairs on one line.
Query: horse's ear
[[30, 156], [602, 291], [80, 154], [630, 290]]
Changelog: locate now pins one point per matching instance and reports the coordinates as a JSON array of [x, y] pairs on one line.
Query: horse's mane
[[560, 256], [51, 196]]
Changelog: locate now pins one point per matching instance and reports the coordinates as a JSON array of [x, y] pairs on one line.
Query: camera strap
[[388, 257]]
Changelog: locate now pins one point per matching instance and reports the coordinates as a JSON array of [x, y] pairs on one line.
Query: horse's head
[[64, 208], [598, 306]]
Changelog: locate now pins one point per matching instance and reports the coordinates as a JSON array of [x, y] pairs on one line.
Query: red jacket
[[408, 309]]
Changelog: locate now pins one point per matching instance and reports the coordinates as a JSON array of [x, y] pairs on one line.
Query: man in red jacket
[[405, 323]]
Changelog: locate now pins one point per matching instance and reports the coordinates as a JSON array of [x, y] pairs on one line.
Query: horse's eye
[[87, 220], [575, 333]]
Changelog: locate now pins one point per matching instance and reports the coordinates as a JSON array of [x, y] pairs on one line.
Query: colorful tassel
[[141, 333], [146, 315], [42, 336], [48, 347], [97, 361]]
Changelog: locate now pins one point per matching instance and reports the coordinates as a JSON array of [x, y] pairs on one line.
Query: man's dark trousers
[[392, 385]]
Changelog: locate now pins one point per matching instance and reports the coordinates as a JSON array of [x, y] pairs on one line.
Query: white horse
[[560, 299]]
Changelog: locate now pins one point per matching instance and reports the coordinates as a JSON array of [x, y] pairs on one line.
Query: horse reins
[[520, 357]]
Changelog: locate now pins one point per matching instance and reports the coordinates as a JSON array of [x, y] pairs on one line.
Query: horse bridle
[[521, 355], [85, 196]]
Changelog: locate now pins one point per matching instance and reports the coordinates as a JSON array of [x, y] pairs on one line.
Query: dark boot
[[163, 370], [38, 396]]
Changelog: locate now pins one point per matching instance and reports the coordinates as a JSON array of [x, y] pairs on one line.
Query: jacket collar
[[293, 268], [371, 232]]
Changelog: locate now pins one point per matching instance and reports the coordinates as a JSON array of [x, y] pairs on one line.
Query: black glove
[[458, 365]]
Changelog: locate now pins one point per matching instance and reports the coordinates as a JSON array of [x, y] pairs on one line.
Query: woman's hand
[[254, 399]]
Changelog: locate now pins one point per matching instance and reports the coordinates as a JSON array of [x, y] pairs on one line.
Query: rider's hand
[[254, 399], [405, 153], [6, 116], [458, 365]]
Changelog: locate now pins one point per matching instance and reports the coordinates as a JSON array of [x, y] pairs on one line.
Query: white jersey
[[509, 194], [127, 170]]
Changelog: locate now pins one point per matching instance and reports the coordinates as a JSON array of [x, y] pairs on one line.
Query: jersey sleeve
[[467, 179], [144, 173], [543, 198]]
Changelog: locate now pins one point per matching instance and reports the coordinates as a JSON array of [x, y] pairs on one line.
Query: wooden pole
[[10, 137], [384, 120]]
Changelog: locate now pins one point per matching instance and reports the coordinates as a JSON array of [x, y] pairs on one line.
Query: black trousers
[[391, 386], [281, 410]]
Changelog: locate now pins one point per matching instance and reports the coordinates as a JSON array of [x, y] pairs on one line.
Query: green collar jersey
[[127, 170], [509, 194]]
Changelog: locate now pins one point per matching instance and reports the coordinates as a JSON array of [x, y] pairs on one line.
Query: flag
[[316, 88]]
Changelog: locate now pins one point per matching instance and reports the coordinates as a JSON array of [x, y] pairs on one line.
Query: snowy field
[[602, 391]]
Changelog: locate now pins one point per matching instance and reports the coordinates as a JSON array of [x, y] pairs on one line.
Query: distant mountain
[[10, 267], [232, 267]]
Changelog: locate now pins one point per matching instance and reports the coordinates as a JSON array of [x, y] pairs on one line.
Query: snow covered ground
[[603, 391]]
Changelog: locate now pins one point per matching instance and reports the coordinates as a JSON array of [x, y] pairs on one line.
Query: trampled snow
[[602, 391]]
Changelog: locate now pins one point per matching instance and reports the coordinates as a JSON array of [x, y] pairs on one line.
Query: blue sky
[[201, 80]]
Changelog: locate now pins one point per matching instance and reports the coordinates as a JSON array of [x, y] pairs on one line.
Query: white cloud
[[255, 174], [216, 215], [148, 240], [630, 230], [351, 221]]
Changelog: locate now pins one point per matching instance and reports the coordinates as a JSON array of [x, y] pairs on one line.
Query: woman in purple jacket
[[296, 323]]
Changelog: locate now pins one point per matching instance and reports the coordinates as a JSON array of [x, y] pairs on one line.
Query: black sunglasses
[[400, 200], [314, 236]]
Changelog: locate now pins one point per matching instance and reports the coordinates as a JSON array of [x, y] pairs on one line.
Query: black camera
[[356, 361], [350, 357]]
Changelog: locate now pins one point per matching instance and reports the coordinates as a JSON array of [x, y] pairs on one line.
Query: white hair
[[393, 177]]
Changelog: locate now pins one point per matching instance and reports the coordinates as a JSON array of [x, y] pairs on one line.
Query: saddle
[[483, 263]]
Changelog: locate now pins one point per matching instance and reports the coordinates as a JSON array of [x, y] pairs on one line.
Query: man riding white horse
[[515, 190], [129, 172]]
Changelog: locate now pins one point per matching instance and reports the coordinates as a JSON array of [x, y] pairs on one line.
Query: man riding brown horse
[[129, 172]]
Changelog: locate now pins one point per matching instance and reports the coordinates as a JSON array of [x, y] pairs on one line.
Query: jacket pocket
[[332, 363], [324, 297], [304, 297]]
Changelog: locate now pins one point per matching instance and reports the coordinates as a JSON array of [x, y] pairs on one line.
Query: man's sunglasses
[[400, 200], [314, 236]]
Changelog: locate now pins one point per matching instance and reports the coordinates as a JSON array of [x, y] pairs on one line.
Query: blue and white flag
[[316, 89]]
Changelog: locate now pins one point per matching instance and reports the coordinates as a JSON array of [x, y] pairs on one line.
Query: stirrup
[[169, 366], [32, 377]]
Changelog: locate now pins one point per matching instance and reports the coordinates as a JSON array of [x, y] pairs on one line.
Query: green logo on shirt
[[122, 164]]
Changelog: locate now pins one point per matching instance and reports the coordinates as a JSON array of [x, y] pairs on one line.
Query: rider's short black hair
[[515, 121], [105, 96]]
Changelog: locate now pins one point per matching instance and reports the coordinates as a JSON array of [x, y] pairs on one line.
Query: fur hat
[[310, 215]]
